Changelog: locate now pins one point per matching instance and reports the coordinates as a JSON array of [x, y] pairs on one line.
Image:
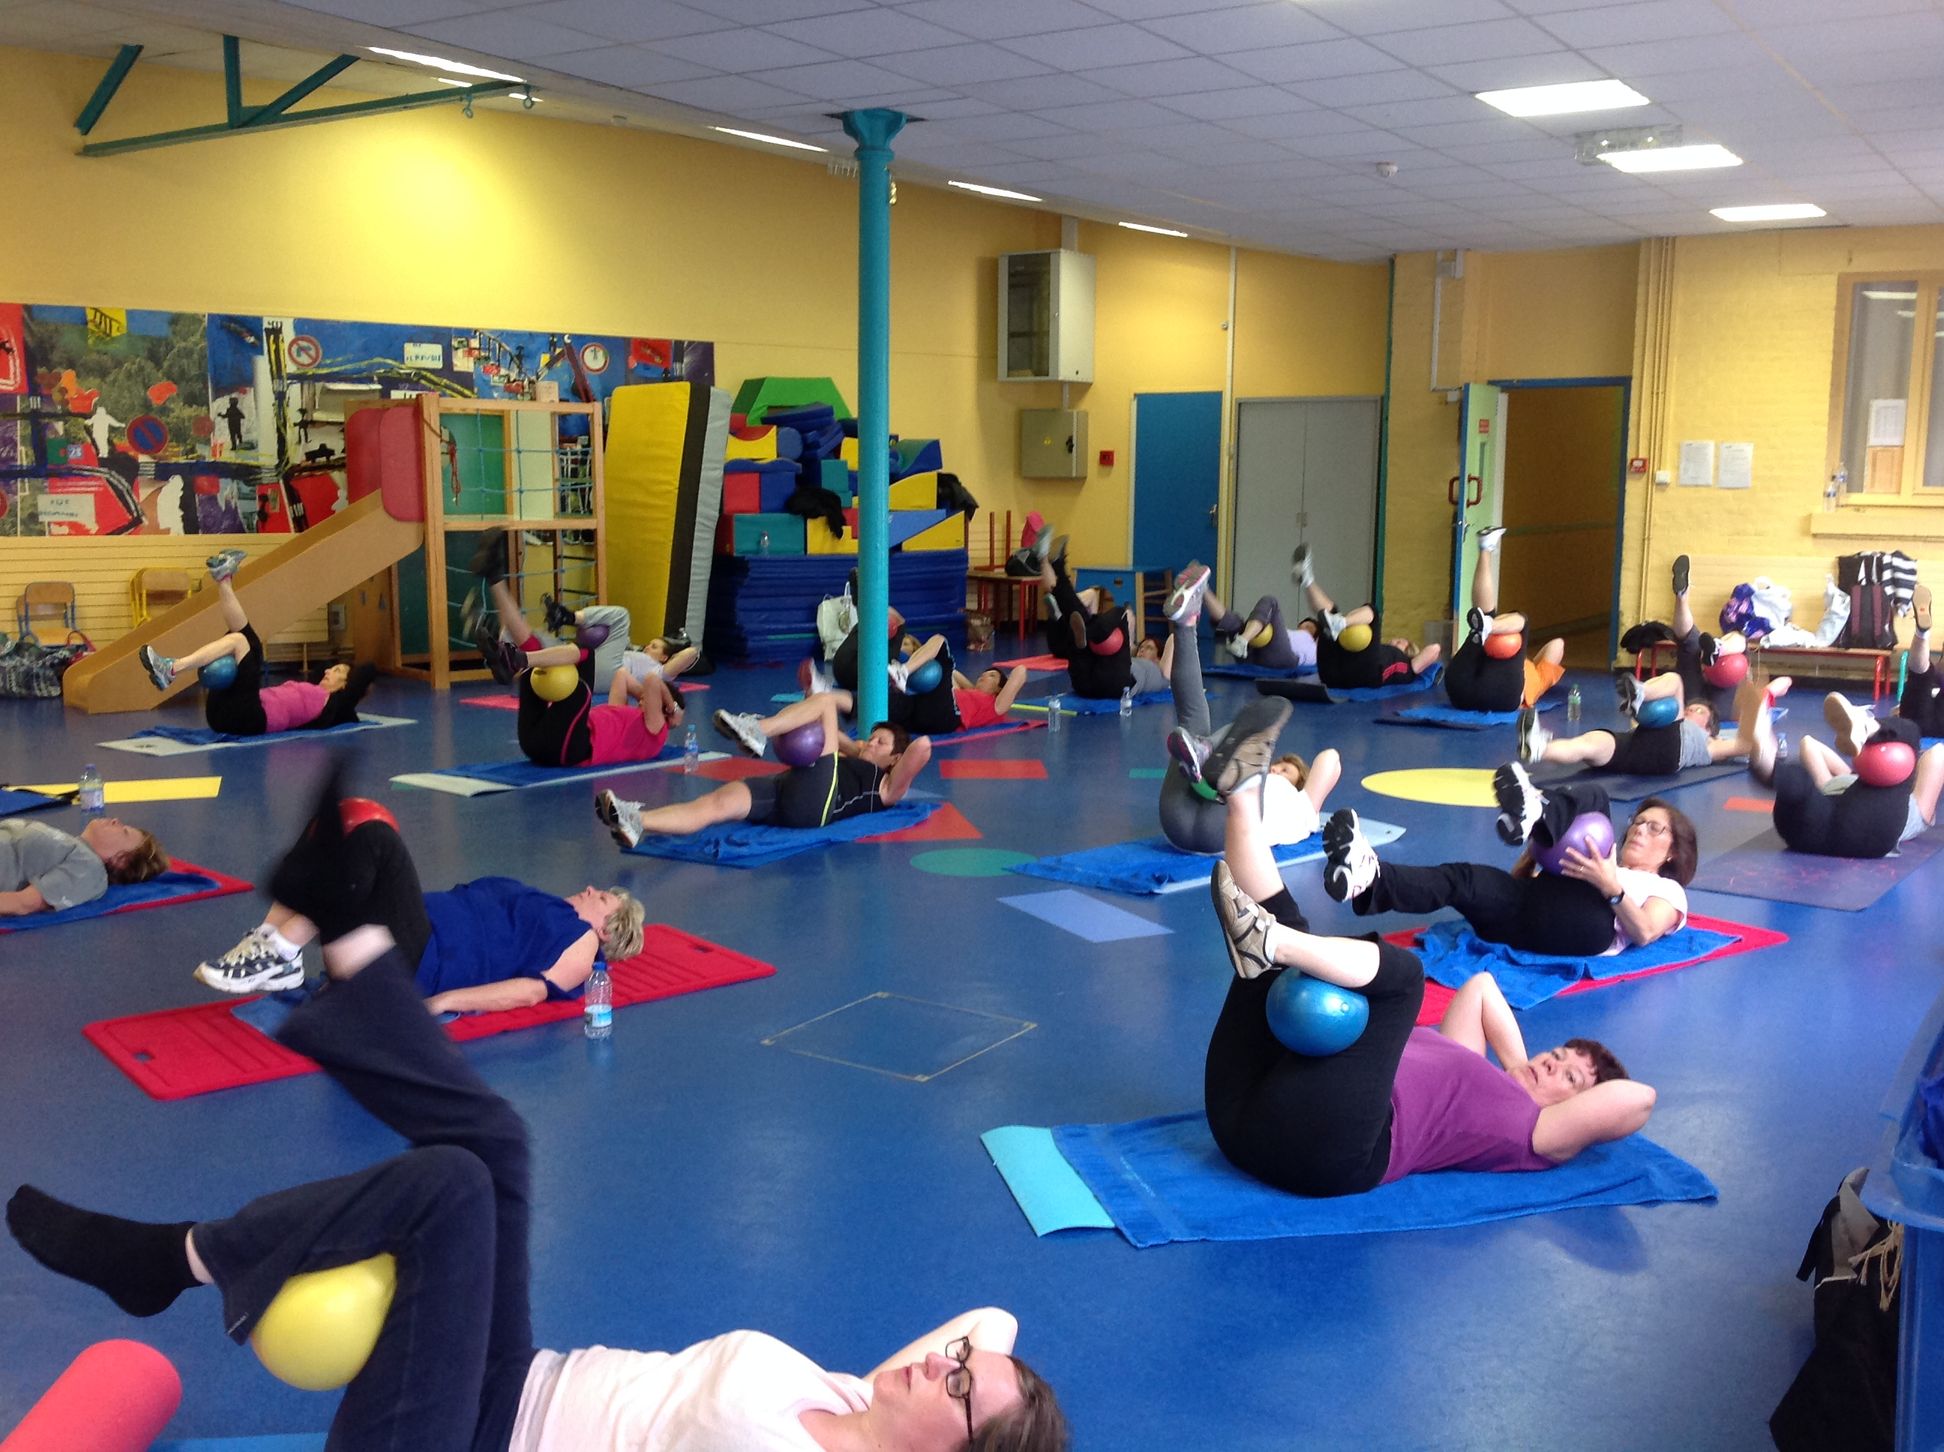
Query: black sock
[[141, 1267]]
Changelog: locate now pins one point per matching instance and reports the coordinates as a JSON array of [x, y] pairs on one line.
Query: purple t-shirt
[[293, 704], [1452, 1109]]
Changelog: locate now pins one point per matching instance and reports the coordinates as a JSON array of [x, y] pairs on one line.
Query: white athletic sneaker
[[900, 676], [743, 729], [1533, 737], [1349, 861], [1334, 623], [1521, 804], [813, 679], [1627, 693], [1489, 537], [1301, 568], [1853, 725], [1238, 646], [1184, 601], [623, 817], [253, 966]]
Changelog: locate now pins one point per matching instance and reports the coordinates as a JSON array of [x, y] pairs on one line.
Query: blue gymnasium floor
[[691, 1180]]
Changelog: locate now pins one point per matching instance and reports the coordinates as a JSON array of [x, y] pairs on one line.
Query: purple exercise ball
[[1590, 834], [801, 745]]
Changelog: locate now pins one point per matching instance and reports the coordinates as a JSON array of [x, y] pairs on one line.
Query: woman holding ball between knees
[[1399, 1099]]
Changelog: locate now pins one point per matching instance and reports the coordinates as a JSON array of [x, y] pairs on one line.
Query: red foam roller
[[116, 1396]]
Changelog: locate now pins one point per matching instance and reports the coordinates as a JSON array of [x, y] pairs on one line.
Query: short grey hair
[[624, 926]]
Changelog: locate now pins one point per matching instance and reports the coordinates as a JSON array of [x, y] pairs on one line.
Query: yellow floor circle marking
[[1444, 786]]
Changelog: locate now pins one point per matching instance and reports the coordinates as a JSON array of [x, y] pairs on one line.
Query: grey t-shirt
[[1147, 676], [1694, 745], [63, 868]]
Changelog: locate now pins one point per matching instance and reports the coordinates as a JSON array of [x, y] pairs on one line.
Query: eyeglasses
[[1652, 826], [958, 1381]]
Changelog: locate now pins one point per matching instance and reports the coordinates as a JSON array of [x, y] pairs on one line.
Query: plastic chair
[[45, 600], [153, 590]]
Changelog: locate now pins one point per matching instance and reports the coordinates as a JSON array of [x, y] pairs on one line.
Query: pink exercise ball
[[1111, 645], [1885, 763], [1505, 644], [1727, 672]]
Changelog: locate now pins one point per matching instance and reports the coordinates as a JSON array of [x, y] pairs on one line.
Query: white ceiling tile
[[626, 20], [1497, 151], [723, 95], [1840, 33], [1035, 93], [1288, 126], [1368, 90], [1169, 78], [1765, 13], [1233, 149], [1482, 40], [1287, 169], [1647, 20], [1004, 19], [848, 81], [508, 34], [1507, 72], [1247, 27], [1436, 111], [1376, 17], [1160, 9], [396, 13], [865, 33], [1371, 144], [737, 52], [1095, 47], [771, 12], [1859, 103], [1862, 68], [1638, 64], [943, 106], [1315, 62], [1007, 126], [631, 67], [1125, 115], [953, 65], [952, 155], [1242, 101], [1069, 145]]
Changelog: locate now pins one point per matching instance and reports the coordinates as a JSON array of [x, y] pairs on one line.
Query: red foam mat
[[1437, 997], [1033, 663], [177, 1053], [1029, 768]]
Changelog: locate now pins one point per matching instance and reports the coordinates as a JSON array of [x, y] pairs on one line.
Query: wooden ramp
[[276, 590]]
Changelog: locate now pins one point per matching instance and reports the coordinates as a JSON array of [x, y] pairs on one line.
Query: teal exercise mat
[[188, 740]]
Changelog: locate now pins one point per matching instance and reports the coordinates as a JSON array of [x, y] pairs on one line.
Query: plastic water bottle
[[597, 1004], [1053, 704], [1829, 496], [691, 753], [1573, 707], [762, 543], [1127, 701], [92, 796], [1781, 747], [1841, 481]]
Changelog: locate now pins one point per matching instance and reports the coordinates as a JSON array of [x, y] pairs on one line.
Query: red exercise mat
[[1033, 663], [1437, 997], [985, 733], [176, 1053], [1023, 769], [947, 824], [735, 768], [221, 885]]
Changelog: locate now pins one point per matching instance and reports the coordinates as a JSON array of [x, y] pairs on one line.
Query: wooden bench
[[1883, 678]]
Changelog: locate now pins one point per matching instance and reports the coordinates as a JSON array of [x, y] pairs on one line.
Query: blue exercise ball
[[218, 673], [925, 678], [1314, 1018], [1661, 711]]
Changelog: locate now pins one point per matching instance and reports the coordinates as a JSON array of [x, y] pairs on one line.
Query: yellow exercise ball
[[319, 1330], [555, 682], [1263, 636], [1354, 637]]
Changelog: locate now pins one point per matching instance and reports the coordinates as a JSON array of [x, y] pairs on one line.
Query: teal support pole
[[872, 130]]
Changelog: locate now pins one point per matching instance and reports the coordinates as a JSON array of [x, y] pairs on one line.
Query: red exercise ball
[[1505, 644], [354, 812], [1885, 763], [1111, 645], [1728, 671]]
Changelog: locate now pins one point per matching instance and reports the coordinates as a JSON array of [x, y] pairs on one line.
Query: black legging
[[1095, 677], [558, 733], [1864, 821], [1378, 664], [1544, 913], [374, 872], [1476, 681], [237, 709], [1312, 1126], [1278, 654], [1921, 703]]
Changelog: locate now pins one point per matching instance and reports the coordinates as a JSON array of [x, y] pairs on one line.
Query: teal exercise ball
[[925, 678], [1661, 711], [219, 673], [1314, 1018]]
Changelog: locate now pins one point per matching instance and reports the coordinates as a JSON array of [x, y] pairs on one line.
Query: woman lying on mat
[[455, 1364], [1094, 636], [1875, 791], [1490, 671], [951, 702], [1688, 738], [1399, 1099], [844, 778], [559, 723], [1213, 763], [43, 869], [1261, 638], [237, 702], [489, 944], [1348, 652], [1920, 701], [1595, 904]]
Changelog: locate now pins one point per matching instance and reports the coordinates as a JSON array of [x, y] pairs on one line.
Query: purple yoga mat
[[1763, 868]]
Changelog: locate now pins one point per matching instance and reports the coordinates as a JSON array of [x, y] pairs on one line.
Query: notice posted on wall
[[1887, 417], [1737, 467], [1697, 462]]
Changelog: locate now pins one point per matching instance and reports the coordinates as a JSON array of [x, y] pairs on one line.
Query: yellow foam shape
[[817, 540], [760, 448], [847, 451], [947, 534], [917, 491], [646, 435], [1443, 786], [157, 789]]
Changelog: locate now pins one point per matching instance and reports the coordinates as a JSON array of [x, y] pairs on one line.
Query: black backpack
[[1846, 1393], [1872, 622]]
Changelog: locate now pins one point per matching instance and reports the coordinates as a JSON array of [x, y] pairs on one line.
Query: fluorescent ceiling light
[[986, 191], [772, 140], [440, 63], [1565, 99], [1772, 212], [1671, 158], [1159, 231], [1880, 295]]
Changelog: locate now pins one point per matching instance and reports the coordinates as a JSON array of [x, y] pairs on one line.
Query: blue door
[[1177, 477]]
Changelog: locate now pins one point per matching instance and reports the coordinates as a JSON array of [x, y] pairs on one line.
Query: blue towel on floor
[[274, 1442], [1243, 670], [1155, 865], [1383, 693], [1087, 706], [1452, 953], [524, 773], [752, 844], [203, 736], [168, 886], [1441, 714], [13, 802], [1163, 1180]]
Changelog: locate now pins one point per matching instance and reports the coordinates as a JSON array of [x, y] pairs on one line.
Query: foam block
[[915, 456], [664, 459], [758, 396], [847, 451], [742, 493], [785, 531], [818, 540], [920, 491], [756, 443], [908, 524], [832, 475], [947, 534]]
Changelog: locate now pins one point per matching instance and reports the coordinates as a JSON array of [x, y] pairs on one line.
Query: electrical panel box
[[1046, 317], [1053, 443]]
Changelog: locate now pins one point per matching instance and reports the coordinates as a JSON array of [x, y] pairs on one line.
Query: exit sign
[[1484, 426]]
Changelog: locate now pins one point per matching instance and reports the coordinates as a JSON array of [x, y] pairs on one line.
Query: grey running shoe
[[225, 563], [1245, 926], [1302, 570], [1184, 601], [160, 668], [1249, 747], [252, 966], [744, 730], [1533, 737], [621, 817], [1188, 751]]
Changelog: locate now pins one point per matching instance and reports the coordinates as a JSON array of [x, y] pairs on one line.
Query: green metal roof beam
[[111, 80], [250, 124], [233, 79], [323, 75]]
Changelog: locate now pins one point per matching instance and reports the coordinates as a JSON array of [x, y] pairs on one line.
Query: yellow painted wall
[[1563, 453]]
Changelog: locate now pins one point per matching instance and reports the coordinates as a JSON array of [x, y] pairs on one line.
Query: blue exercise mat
[[274, 1442], [182, 740], [1453, 718], [1241, 670], [165, 888], [1155, 865], [753, 844], [1623, 786], [13, 802], [1163, 1180], [480, 778], [1312, 691], [1452, 953], [1087, 706], [1085, 917]]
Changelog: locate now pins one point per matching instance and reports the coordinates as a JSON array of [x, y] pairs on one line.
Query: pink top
[[1452, 1109], [618, 734], [976, 708], [293, 704]]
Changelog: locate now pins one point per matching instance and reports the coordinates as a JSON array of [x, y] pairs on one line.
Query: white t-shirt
[[1287, 813], [739, 1392], [640, 664], [1303, 644], [1640, 887]]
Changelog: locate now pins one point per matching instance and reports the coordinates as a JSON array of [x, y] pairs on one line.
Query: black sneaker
[[494, 652], [1478, 623], [559, 617], [489, 560], [1349, 861], [1710, 649], [1249, 747], [1245, 926], [1521, 804], [1188, 751], [1680, 574]]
